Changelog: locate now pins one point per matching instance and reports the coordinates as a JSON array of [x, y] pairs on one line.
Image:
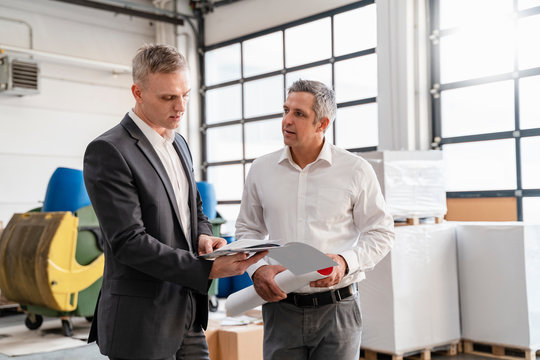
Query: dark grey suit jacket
[[143, 310]]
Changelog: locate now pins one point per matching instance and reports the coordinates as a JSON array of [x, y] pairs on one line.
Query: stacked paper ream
[[412, 182], [410, 300], [499, 269], [247, 298]]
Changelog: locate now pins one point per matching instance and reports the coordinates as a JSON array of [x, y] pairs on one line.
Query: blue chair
[[66, 191]]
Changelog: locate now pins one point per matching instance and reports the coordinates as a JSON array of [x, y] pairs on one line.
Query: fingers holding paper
[[336, 275], [207, 243], [265, 285], [231, 265]]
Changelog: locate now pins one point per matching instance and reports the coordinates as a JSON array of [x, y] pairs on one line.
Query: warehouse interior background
[[459, 76]]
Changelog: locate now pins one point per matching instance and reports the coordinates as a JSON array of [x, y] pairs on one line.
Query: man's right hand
[[231, 265], [265, 285]]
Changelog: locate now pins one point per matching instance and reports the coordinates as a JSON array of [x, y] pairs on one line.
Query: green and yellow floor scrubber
[[51, 258]]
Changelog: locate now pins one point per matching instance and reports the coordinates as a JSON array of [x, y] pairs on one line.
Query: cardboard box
[[410, 300], [482, 209], [412, 182], [244, 342], [499, 270], [241, 342]]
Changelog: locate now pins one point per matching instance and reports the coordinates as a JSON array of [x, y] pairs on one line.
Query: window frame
[[284, 71], [517, 134]]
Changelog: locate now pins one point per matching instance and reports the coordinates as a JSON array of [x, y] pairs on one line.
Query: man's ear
[[137, 93], [323, 124]]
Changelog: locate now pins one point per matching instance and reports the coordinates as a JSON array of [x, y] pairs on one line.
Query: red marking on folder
[[326, 272]]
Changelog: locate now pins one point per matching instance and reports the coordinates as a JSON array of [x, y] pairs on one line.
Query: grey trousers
[[327, 332]]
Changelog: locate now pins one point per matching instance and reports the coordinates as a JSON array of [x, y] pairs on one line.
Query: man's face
[[298, 126], [162, 99]]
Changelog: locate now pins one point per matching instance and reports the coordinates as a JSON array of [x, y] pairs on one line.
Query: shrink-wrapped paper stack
[[410, 301], [412, 182]]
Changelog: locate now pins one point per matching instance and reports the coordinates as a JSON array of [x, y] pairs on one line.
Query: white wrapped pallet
[[412, 182], [499, 270], [410, 301]]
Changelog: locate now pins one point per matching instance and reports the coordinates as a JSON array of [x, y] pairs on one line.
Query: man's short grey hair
[[325, 98], [151, 59]]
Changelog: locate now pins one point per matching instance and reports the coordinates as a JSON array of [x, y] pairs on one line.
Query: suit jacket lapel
[[147, 149]]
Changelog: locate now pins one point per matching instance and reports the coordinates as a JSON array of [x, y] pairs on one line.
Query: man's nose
[[180, 105]]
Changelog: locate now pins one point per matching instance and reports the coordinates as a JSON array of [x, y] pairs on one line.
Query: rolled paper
[[247, 298]]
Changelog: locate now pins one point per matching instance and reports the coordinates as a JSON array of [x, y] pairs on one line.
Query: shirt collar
[[324, 155], [151, 134]]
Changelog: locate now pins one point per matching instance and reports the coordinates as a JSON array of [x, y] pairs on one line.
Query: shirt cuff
[[251, 269], [351, 260]]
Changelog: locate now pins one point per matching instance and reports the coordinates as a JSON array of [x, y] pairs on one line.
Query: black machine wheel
[[89, 318], [67, 329], [33, 321], [213, 303]]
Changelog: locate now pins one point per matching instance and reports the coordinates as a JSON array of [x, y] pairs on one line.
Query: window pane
[[530, 166], [308, 43], [222, 64], [228, 181], [525, 4], [472, 54], [321, 73], [529, 106], [263, 97], [463, 12], [263, 137], [355, 30], [224, 143], [482, 165], [224, 104], [356, 78], [357, 126], [531, 210], [229, 213], [528, 42], [263, 54], [478, 109]]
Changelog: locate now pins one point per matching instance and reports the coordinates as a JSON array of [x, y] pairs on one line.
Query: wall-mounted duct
[[18, 77]]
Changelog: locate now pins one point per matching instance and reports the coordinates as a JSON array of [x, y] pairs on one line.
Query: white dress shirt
[[334, 204], [171, 162]]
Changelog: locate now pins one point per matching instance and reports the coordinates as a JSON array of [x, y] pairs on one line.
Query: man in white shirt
[[139, 175], [313, 192]]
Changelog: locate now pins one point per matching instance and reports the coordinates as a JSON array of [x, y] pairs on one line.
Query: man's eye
[[299, 114], [285, 111]]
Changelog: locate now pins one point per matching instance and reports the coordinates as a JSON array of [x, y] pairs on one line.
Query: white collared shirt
[[171, 162], [334, 204]]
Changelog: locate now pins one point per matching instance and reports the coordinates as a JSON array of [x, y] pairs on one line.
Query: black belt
[[319, 299]]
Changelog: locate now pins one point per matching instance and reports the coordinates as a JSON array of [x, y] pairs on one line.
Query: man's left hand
[[337, 274], [207, 243]]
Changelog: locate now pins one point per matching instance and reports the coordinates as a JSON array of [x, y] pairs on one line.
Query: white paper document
[[239, 246], [297, 257], [304, 264], [247, 298]]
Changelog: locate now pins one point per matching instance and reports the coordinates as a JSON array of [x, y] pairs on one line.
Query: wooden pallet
[[421, 354], [417, 221], [499, 351]]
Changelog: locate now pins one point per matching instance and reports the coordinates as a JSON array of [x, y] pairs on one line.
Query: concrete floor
[[91, 351], [86, 352]]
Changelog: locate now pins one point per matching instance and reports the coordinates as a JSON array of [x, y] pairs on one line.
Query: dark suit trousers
[[194, 346]]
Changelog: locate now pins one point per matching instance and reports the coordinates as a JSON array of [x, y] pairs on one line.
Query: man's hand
[[265, 285], [336, 275], [231, 265], [207, 243]]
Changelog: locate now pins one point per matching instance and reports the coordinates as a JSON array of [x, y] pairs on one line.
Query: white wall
[[39, 133], [249, 16]]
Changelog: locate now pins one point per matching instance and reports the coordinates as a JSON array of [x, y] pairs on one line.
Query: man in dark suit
[[139, 176]]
